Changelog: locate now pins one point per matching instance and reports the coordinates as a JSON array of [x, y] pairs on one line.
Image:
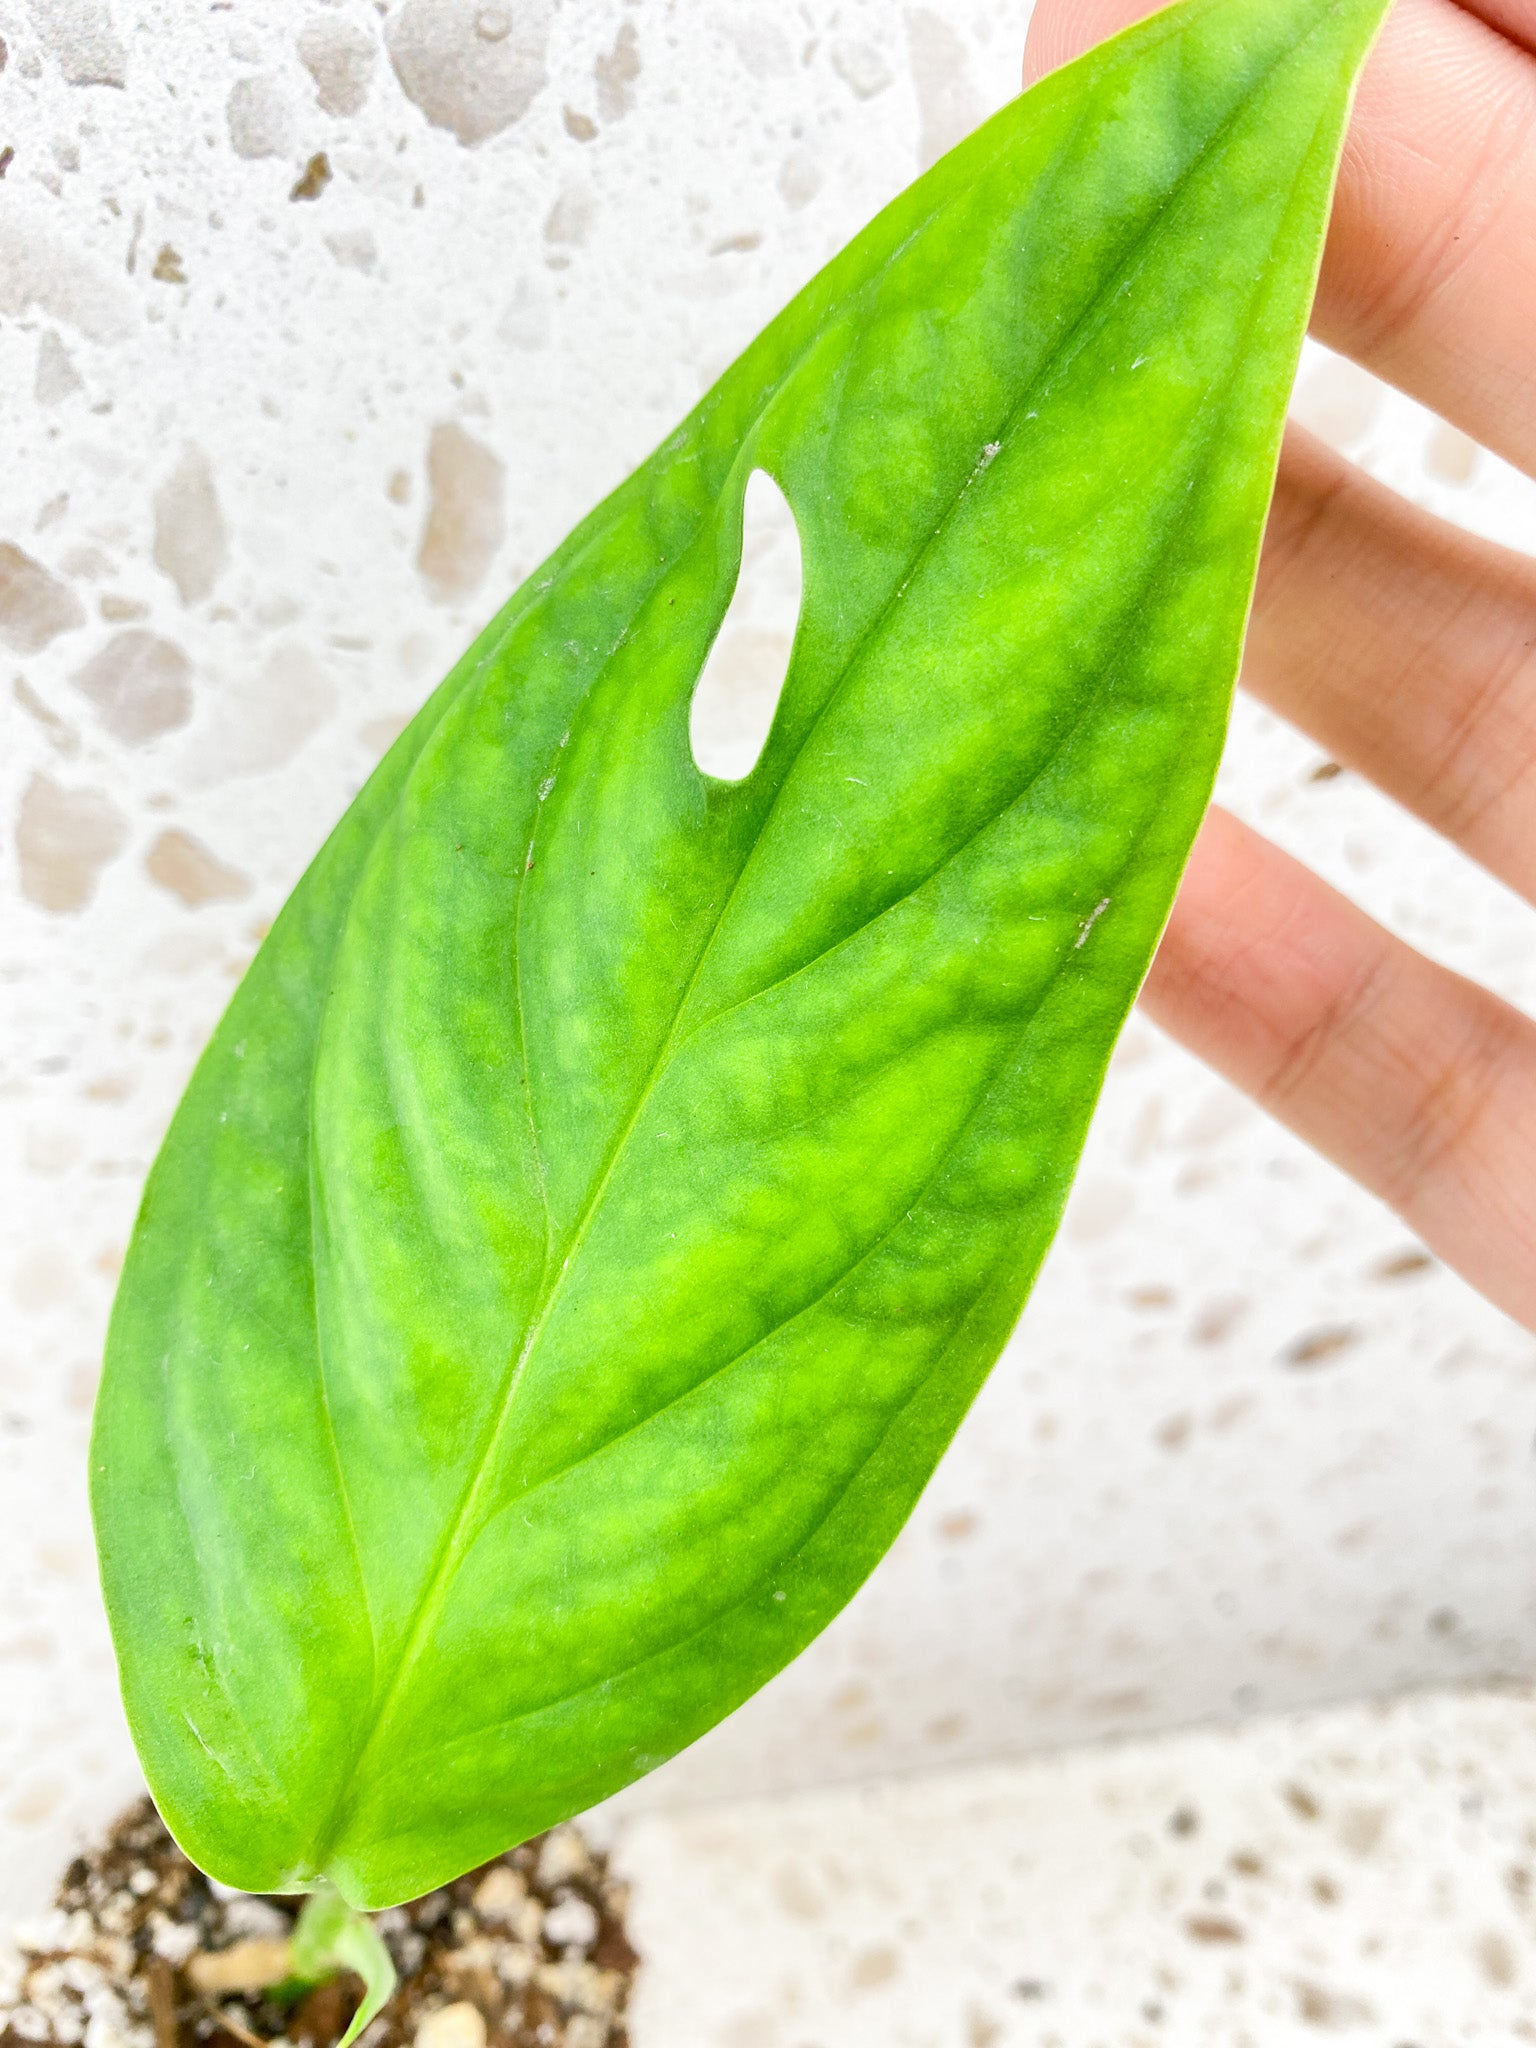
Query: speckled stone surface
[[1365, 1874], [319, 324]]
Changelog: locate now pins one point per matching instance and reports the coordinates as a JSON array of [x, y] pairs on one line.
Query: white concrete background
[[1247, 1451], [1362, 1874]]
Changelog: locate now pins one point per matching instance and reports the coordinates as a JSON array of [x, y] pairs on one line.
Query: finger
[[1430, 272], [1418, 1083], [1513, 18], [1406, 648], [1429, 276]]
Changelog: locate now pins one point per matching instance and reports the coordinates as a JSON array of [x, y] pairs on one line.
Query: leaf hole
[[738, 692]]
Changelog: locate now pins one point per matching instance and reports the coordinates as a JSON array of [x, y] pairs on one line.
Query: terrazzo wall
[[319, 325]]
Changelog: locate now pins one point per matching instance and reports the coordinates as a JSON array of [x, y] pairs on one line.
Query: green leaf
[[610, 1186], [328, 1937]]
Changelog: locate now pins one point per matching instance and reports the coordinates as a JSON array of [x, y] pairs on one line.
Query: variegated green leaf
[[609, 1186]]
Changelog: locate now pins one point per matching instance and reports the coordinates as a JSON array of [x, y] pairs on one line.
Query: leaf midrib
[[321, 1840]]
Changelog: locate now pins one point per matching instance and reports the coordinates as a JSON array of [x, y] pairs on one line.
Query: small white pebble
[[142, 1883], [173, 1939], [104, 2004], [571, 1924], [109, 2025], [258, 1918], [516, 1964], [453, 2026], [410, 1950], [564, 1855], [479, 1954], [80, 1934], [117, 1914], [44, 1935], [582, 1985], [44, 1983], [499, 1893], [56, 2008]]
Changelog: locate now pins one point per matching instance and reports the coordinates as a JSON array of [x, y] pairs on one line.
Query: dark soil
[[141, 1952]]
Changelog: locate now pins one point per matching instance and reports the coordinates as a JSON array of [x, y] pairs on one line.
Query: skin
[[1405, 648]]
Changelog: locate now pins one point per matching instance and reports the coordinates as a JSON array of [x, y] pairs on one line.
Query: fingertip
[[1060, 30]]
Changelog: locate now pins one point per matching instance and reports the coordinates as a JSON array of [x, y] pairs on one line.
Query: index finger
[[1429, 278]]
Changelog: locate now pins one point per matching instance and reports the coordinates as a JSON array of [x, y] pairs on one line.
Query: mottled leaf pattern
[[609, 1186]]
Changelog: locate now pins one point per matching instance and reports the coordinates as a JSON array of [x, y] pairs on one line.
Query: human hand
[[1405, 648]]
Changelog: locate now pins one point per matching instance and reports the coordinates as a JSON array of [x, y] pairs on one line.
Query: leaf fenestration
[[731, 712]]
